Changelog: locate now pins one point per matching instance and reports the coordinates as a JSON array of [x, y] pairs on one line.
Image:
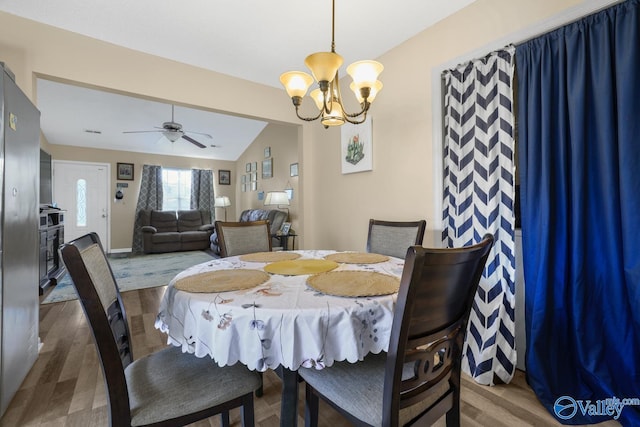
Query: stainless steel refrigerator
[[19, 245]]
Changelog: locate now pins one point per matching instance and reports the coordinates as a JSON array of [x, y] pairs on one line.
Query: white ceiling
[[229, 37]]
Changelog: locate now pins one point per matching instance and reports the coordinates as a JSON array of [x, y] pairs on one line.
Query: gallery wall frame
[[267, 168]]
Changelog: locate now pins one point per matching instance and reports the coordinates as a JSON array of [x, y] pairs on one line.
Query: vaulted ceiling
[[255, 40]]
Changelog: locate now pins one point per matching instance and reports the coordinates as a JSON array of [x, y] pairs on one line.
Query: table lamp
[[222, 202], [277, 198]]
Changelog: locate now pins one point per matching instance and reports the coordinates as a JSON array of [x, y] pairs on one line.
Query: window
[[81, 203], [176, 186]]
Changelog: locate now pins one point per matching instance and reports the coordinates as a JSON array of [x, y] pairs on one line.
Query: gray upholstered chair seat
[[363, 396], [163, 385]]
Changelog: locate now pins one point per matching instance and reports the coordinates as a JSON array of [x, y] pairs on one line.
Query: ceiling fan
[[173, 132]]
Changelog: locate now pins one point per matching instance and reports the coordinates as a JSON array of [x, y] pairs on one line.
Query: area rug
[[137, 272]]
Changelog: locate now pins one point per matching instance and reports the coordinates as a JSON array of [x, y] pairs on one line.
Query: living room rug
[[137, 272]]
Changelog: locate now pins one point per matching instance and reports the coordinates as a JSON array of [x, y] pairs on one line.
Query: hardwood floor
[[65, 386]]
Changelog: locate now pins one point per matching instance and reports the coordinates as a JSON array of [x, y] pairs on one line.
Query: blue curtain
[[579, 141]]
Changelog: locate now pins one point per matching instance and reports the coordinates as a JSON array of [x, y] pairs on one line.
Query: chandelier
[[324, 67]]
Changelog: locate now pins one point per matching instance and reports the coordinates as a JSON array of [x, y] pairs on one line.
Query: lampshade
[[364, 73], [323, 65], [276, 198], [377, 87], [296, 83], [222, 202]]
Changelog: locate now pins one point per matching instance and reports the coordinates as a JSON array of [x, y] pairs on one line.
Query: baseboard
[[120, 251]]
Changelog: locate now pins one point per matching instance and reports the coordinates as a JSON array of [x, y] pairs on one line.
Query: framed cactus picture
[[356, 147]]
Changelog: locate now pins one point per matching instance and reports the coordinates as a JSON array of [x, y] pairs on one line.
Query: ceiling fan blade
[[199, 133], [193, 141], [141, 131]]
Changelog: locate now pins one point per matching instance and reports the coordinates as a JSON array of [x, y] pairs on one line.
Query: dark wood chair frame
[[111, 336], [221, 225], [436, 294], [421, 225]]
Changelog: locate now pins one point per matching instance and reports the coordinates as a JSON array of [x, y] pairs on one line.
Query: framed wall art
[[356, 147], [125, 171], [267, 152], [224, 177], [293, 169], [267, 168]]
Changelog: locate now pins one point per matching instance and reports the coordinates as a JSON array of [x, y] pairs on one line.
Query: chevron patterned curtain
[[478, 199]]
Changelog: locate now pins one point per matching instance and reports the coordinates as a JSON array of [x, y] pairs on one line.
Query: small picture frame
[[293, 169], [267, 152], [254, 167], [267, 168], [244, 178], [254, 176], [125, 171], [224, 177], [244, 188], [254, 186], [247, 167], [284, 230], [289, 192]]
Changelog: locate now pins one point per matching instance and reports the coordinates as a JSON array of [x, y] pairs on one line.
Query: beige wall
[[332, 209], [283, 142], [402, 185]]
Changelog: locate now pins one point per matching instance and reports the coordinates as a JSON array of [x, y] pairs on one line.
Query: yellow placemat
[[222, 280], [300, 266], [357, 258], [351, 283], [269, 256]]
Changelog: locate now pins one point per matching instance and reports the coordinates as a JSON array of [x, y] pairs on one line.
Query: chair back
[[436, 293], [393, 238], [93, 279], [238, 238]]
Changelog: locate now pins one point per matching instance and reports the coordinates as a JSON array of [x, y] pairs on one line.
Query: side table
[[284, 240]]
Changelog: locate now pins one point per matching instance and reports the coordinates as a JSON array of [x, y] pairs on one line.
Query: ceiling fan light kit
[[324, 67], [173, 132]]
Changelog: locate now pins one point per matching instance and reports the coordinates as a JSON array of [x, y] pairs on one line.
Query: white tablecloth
[[281, 322]]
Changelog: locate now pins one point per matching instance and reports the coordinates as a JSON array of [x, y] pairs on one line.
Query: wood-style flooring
[[65, 386]]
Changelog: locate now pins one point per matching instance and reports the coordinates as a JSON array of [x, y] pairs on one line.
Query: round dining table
[[282, 323]]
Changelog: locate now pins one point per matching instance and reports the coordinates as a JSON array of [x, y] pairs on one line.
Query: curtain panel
[[149, 197], [478, 199], [202, 196], [579, 142]]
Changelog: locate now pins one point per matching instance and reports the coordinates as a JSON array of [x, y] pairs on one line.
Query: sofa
[[171, 231], [274, 216]]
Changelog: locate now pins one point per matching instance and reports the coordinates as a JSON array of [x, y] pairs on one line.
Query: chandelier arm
[[365, 104], [356, 122], [308, 119]]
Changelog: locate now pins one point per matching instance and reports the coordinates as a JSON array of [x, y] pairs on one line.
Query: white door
[[82, 190]]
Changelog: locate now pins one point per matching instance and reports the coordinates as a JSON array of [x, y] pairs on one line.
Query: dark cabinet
[[51, 237]]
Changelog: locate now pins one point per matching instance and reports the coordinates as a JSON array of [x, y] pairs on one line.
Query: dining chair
[[393, 238], [418, 380], [164, 388], [238, 238]]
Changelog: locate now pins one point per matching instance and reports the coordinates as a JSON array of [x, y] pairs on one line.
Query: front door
[[82, 190]]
